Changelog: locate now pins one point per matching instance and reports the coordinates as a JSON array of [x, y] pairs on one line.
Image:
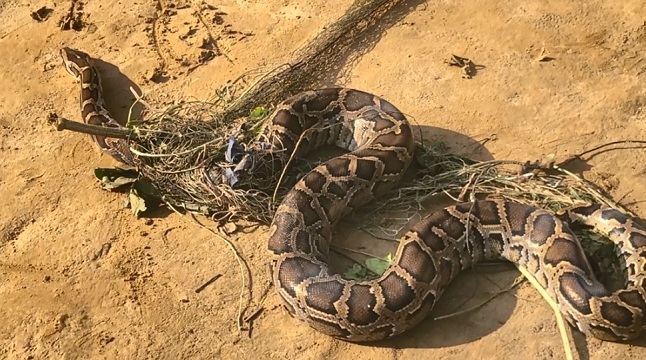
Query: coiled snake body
[[429, 256]]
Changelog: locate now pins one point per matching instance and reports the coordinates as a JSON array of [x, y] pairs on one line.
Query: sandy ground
[[82, 278]]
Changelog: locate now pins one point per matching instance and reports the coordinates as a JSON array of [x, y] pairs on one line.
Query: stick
[[253, 315], [207, 283], [63, 124]]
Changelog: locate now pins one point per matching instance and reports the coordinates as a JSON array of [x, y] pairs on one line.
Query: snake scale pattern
[[380, 144]]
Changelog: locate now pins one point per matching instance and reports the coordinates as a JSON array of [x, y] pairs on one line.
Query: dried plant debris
[[469, 69], [73, 18], [42, 14]]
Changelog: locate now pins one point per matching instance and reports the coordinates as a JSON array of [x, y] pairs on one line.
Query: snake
[[93, 111], [380, 147]]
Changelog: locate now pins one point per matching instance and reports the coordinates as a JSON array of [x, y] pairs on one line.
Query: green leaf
[[377, 265], [143, 196], [356, 272], [145, 189], [258, 113], [115, 178], [137, 204]]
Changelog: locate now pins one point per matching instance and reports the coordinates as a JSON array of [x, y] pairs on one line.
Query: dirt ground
[[81, 277]]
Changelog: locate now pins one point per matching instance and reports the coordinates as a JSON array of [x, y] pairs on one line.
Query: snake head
[[74, 61]]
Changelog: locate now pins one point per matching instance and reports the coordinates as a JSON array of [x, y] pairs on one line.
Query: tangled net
[[180, 150]]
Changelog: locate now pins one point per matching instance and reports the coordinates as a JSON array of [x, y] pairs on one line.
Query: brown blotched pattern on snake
[[429, 256]]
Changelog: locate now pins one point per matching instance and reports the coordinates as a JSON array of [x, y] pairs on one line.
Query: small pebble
[[229, 228]]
